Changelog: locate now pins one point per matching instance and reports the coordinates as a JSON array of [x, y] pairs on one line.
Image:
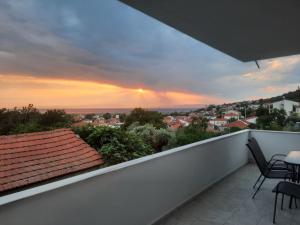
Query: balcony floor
[[229, 202]]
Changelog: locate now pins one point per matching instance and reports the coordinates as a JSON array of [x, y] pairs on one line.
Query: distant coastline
[[121, 110]]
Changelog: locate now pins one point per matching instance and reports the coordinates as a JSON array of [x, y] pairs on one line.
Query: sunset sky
[[104, 54]]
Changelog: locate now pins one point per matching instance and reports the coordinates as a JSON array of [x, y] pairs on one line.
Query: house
[[81, 123], [176, 124], [238, 123], [251, 119], [233, 112], [32, 158], [288, 105], [254, 106], [168, 119], [100, 121], [218, 122], [231, 115]]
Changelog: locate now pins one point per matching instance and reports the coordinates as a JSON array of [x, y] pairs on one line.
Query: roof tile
[[30, 158]]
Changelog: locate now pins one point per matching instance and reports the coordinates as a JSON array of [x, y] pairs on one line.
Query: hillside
[[292, 95]]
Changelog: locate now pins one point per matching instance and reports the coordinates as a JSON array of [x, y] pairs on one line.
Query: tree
[[122, 117], [199, 123], [143, 117], [190, 134], [89, 116], [29, 119], [274, 120], [107, 116], [16, 120], [159, 139], [279, 116], [28, 114], [117, 145], [55, 118], [231, 120]]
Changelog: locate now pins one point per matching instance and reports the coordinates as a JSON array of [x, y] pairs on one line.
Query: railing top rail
[[61, 183]]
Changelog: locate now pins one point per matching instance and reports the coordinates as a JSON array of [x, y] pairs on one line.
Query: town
[[219, 118]]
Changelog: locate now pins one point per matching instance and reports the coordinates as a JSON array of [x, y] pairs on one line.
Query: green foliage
[[89, 116], [143, 117], [274, 120], [107, 116], [127, 148], [84, 131], [29, 119], [55, 118], [159, 139], [122, 117], [115, 145], [231, 120], [191, 134], [200, 124], [292, 95], [232, 129]]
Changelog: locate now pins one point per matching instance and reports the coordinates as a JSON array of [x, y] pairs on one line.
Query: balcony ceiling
[[246, 30]]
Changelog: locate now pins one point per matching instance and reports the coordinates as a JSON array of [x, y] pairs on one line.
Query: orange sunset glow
[[22, 90]]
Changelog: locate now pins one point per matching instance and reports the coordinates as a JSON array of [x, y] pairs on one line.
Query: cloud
[[4, 54], [108, 42], [22, 90], [70, 18]]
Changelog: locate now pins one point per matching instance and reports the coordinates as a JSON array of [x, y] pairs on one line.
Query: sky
[[104, 54]]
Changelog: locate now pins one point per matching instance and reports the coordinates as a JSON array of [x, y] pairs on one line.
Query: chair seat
[[279, 166], [278, 174], [288, 188]]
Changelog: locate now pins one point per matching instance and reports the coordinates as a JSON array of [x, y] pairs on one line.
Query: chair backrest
[[258, 155], [288, 188]]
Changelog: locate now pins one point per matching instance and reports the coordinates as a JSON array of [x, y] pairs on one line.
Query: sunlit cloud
[[109, 49], [279, 89], [275, 69], [22, 90]]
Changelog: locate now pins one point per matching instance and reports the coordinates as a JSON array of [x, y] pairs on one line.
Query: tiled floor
[[229, 202]]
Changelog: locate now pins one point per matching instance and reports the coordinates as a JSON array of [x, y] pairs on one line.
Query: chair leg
[[275, 206], [257, 181], [258, 188], [291, 202], [282, 199], [296, 203]]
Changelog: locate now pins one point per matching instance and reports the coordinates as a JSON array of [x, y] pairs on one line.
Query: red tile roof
[[29, 158], [231, 114], [219, 119], [238, 123]]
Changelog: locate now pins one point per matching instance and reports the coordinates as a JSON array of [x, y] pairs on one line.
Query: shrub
[[190, 134], [143, 117], [159, 139], [115, 144]]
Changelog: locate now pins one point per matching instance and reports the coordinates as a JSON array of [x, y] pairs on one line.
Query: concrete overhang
[[246, 30]]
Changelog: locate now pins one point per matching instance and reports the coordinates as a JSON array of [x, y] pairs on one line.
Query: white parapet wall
[[277, 142], [137, 192]]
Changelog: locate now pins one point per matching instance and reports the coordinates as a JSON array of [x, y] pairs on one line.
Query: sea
[[122, 110]]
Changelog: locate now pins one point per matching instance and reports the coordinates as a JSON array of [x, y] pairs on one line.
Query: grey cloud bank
[[107, 41]]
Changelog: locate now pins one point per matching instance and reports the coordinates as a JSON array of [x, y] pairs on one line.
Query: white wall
[[287, 105], [276, 142], [134, 193]]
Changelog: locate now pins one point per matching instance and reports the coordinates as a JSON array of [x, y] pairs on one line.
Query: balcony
[[208, 182]]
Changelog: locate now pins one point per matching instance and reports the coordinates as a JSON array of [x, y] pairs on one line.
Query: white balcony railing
[[141, 191]]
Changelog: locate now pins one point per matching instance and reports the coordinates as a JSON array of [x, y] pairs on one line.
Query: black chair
[[273, 169], [286, 188], [274, 162]]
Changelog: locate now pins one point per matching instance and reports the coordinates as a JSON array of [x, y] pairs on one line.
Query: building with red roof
[[27, 159], [229, 116], [238, 123]]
